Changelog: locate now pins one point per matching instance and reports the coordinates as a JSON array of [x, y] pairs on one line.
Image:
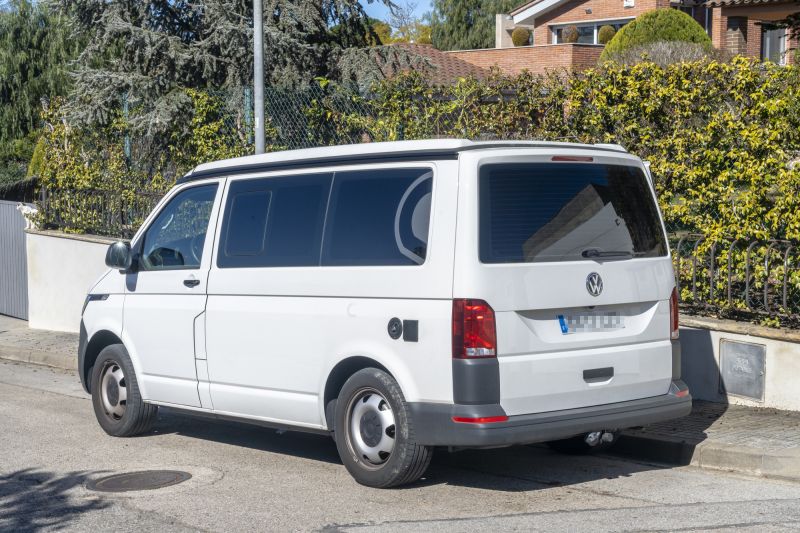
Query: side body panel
[[274, 334]]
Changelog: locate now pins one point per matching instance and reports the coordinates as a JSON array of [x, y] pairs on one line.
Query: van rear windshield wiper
[[591, 253]]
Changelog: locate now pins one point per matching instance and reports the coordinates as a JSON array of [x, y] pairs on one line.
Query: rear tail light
[[474, 332], [673, 315]]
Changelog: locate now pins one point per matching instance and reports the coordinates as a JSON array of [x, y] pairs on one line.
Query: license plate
[[590, 322]]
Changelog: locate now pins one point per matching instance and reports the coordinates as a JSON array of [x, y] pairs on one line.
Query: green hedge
[[656, 26], [720, 136]]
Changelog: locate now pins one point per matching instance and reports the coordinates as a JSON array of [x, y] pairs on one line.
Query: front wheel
[[374, 432], [118, 405]]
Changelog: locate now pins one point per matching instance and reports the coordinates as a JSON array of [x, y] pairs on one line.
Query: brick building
[[745, 27]]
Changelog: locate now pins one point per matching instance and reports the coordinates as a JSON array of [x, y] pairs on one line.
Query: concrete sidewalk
[[38, 346], [763, 442]]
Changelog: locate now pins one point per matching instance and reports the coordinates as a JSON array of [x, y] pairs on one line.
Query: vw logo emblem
[[594, 284]]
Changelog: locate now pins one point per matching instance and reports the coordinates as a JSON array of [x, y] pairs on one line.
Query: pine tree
[[35, 49], [466, 24], [149, 51]]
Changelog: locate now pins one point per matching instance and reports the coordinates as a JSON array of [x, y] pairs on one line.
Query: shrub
[[521, 36], [570, 34], [654, 26], [665, 53], [605, 34]]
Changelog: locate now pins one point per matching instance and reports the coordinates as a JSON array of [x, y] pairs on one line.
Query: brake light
[[480, 420], [580, 158], [474, 333], [673, 315]]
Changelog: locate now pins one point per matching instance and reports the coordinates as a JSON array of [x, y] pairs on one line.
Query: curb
[[38, 357], [714, 455]]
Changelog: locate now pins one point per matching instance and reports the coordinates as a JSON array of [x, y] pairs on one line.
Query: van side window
[[378, 217], [274, 222], [176, 237]]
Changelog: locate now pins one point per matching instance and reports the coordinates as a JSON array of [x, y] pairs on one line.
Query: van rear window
[[544, 212]]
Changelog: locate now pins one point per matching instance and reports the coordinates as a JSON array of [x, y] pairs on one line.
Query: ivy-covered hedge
[[104, 181], [723, 139], [720, 136]]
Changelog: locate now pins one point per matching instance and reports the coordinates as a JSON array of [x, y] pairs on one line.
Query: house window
[[773, 44], [587, 31], [709, 12]]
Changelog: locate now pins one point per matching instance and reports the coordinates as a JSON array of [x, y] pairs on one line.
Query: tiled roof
[[444, 68], [717, 3]]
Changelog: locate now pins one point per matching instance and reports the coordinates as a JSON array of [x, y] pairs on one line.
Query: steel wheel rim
[[371, 428], [113, 391]]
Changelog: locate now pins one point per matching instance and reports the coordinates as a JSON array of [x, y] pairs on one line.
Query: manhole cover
[[146, 480]]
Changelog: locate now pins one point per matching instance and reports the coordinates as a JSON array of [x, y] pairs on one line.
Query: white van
[[401, 296]]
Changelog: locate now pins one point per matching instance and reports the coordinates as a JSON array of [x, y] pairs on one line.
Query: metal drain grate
[[145, 480]]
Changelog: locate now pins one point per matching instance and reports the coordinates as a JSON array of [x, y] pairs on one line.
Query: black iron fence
[[757, 280], [96, 212]]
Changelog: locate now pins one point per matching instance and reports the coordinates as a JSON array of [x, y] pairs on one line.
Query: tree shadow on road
[[33, 500]]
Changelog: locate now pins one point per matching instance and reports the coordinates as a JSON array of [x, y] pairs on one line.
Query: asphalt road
[[247, 478]]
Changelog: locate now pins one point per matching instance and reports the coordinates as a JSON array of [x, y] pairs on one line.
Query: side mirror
[[119, 256]]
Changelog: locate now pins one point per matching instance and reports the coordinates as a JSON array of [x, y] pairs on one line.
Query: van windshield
[[544, 212]]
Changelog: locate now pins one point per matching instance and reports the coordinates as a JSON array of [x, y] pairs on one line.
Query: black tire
[[577, 445], [127, 417], [407, 460]]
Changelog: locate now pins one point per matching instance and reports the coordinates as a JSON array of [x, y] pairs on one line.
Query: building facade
[[743, 27]]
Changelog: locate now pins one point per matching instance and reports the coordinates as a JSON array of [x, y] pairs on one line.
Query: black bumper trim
[[476, 381], [434, 426]]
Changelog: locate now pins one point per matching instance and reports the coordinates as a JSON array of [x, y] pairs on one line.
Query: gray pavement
[[42, 347], [248, 478]]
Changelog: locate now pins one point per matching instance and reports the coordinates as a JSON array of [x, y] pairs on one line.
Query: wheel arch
[[338, 375], [100, 340]]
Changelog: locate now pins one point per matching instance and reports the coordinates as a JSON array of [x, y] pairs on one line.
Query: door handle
[[191, 282]]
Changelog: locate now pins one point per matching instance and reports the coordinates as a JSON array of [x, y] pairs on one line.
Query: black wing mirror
[[119, 256]]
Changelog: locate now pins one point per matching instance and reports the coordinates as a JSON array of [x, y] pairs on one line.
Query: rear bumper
[[434, 425]]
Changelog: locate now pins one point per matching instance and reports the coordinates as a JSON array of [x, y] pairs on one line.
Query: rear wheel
[[117, 402], [578, 445], [374, 432]]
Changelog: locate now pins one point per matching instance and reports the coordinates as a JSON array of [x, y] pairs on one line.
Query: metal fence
[[13, 262], [738, 278], [98, 212]]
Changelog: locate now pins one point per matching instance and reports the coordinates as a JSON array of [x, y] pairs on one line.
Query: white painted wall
[[700, 358], [61, 269]]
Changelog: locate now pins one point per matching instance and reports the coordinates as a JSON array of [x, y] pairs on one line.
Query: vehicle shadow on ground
[[34, 500], [675, 441], [296, 443], [515, 469]]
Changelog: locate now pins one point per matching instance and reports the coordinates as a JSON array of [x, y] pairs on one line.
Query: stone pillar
[[503, 26], [736, 35]]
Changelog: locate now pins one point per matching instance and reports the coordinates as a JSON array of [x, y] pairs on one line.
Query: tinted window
[[378, 217], [176, 237], [565, 212], [274, 222]]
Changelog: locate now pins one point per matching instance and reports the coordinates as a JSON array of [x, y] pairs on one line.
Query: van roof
[[383, 151]]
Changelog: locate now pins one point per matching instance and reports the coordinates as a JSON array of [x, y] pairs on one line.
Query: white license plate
[[590, 322]]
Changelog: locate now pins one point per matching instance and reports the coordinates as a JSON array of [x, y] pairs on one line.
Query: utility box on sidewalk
[[740, 363]]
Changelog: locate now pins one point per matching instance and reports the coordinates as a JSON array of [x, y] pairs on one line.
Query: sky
[[378, 10]]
